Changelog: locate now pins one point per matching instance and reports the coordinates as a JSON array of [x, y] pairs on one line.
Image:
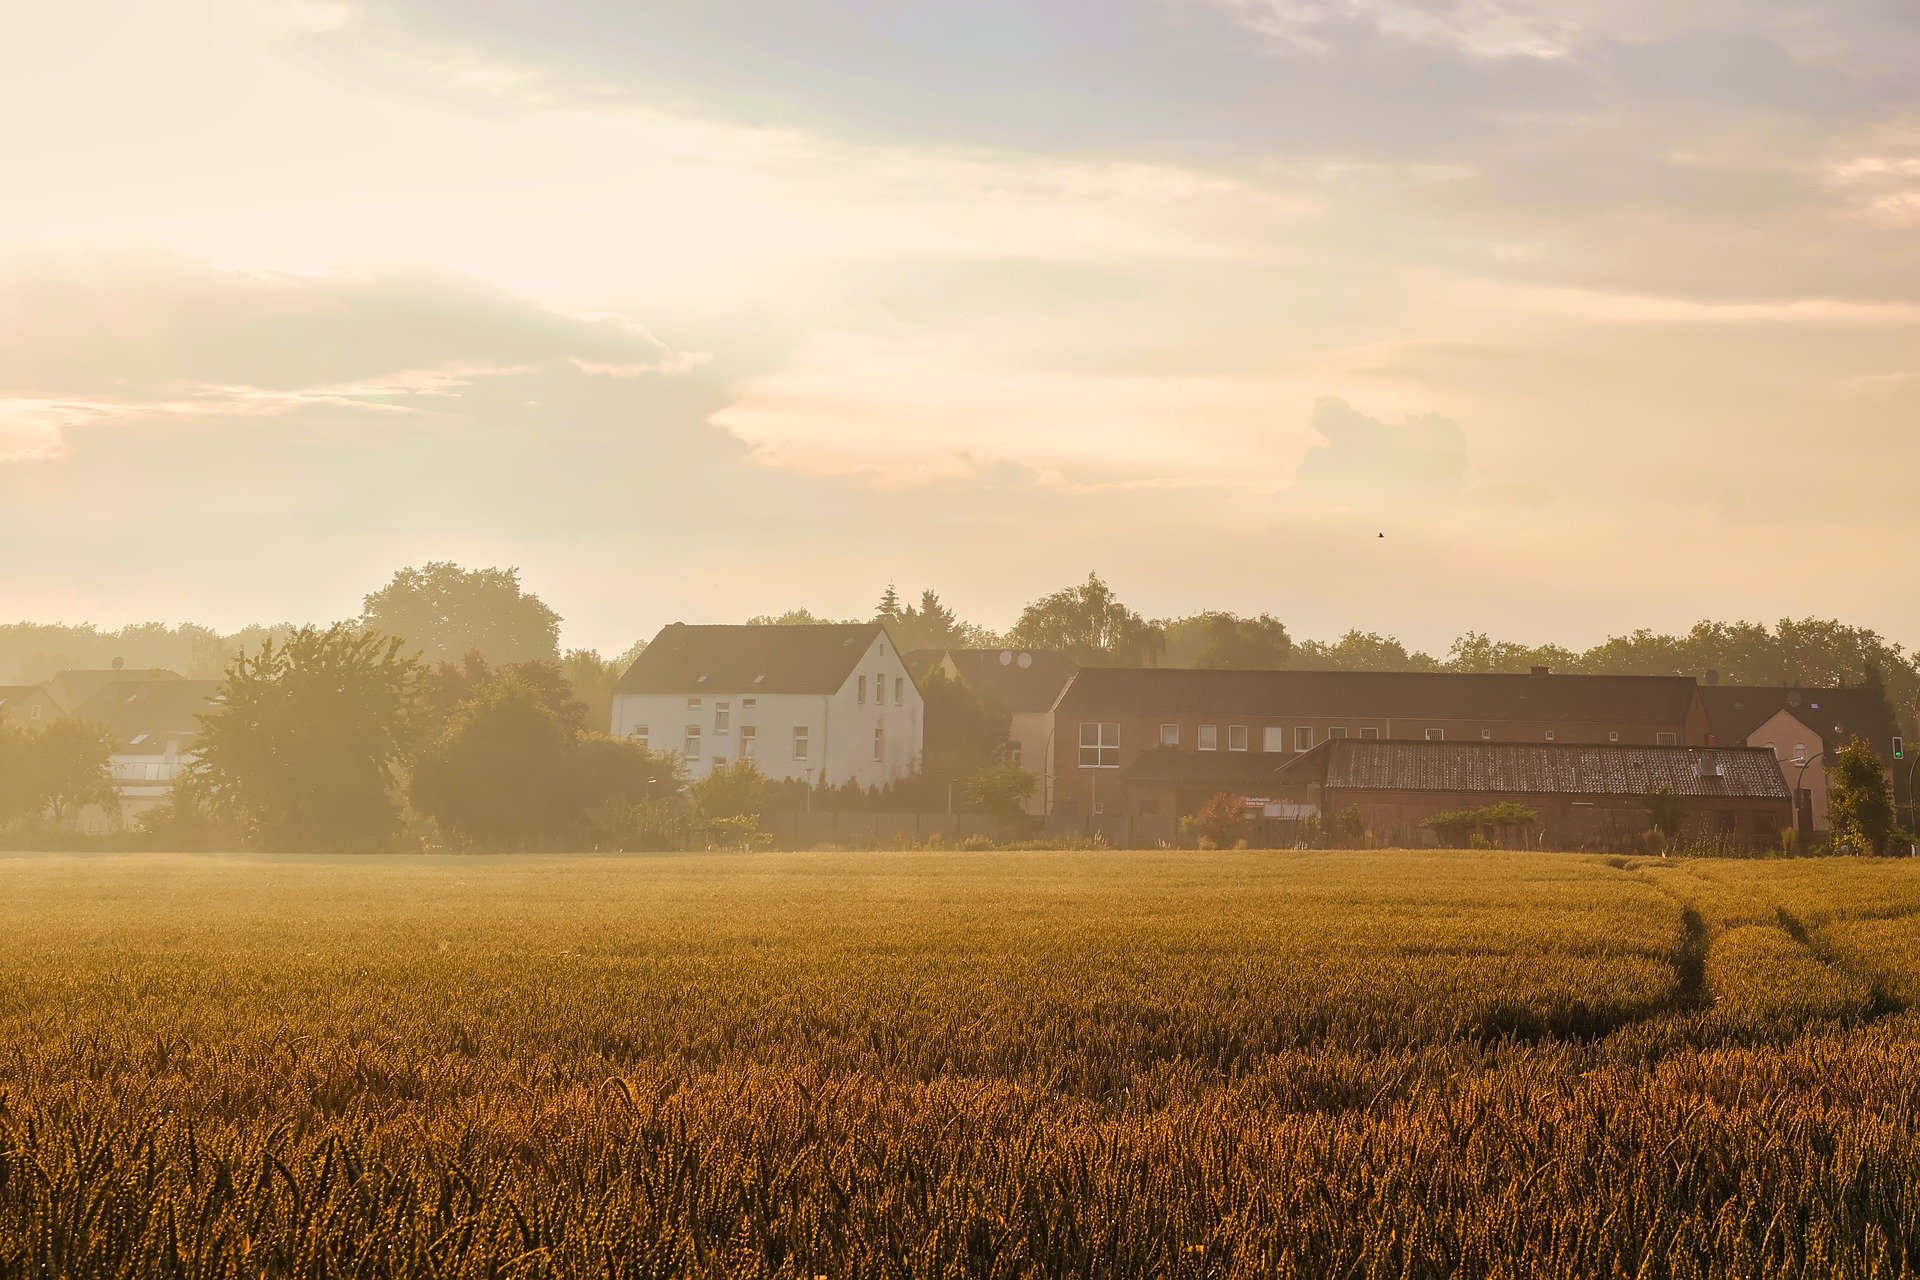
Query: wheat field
[[1228, 1064]]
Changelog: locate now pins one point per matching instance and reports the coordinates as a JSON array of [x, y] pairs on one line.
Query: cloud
[[1367, 463]]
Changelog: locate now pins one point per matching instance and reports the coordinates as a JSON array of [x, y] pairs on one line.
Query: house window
[[1668, 739], [639, 735], [719, 762], [749, 741], [36, 713], [1549, 735], [748, 704], [899, 691], [1208, 737], [1099, 745], [1236, 737], [1799, 753], [1440, 735], [1613, 735], [800, 743], [1169, 735], [879, 740], [693, 704], [1371, 731], [861, 696], [1303, 738], [1338, 731], [691, 747], [1012, 754], [722, 716], [1273, 738], [1486, 735]]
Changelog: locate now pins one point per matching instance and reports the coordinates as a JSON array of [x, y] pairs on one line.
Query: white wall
[[839, 726]]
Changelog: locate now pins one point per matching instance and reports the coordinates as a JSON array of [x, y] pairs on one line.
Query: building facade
[[1804, 728], [1025, 684], [824, 705], [1584, 795], [1106, 718]]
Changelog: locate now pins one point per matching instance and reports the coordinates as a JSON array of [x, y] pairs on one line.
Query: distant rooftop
[[750, 659]]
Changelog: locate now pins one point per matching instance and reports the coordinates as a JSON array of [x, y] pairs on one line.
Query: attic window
[[760, 679], [137, 739], [134, 697], [701, 680]]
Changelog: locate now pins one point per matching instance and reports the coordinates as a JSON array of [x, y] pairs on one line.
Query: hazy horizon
[[1605, 315]]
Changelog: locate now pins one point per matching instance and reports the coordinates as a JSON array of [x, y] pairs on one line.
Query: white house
[[154, 723], [825, 705]]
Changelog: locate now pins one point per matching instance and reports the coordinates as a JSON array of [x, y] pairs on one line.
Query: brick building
[[1107, 718], [1586, 795]]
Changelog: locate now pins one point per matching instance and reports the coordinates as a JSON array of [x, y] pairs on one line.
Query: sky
[[1605, 314]]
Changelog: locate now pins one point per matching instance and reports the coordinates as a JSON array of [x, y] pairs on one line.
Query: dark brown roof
[[18, 700], [1411, 695], [145, 716], [777, 658], [1546, 768], [71, 689], [1836, 715], [1202, 768], [1018, 679]]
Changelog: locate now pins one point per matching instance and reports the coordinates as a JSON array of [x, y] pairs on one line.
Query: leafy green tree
[[307, 736], [500, 776], [793, 618], [1221, 822], [964, 732], [72, 768], [1476, 652], [450, 684], [446, 611], [1359, 651], [1666, 812], [1000, 789], [593, 679], [20, 794], [1089, 624], [1226, 641], [1860, 799], [732, 790], [609, 772], [930, 624]]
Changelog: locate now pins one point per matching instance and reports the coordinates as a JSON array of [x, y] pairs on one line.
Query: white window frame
[[899, 691], [879, 741], [1440, 735], [749, 742], [722, 718], [639, 734], [1236, 737], [1206, 738], [1273, 739], [802, 742], [1613, 735], [860, 689], [1303, 737], [693, 704], [1337, 731], [1667, 739], [1099, 744], [690, 743], [1549, 735], [1370, 731], [1169, 735]]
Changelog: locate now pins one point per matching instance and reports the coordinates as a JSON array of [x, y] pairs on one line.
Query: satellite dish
[[1006, 657], [1713, 678], [1025, 660]]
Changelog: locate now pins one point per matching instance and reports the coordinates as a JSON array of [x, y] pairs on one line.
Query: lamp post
[[1804, 765], [950, 782]]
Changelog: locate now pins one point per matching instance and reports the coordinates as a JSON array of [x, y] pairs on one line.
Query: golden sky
[[1605, 313]]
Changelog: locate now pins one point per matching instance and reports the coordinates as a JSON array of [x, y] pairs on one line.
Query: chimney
[[1540, 671]]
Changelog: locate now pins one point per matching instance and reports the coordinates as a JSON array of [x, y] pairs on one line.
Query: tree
[[1360, 651], [964, 732], [449, 684], [1457, 828], [1859, 799], [500, 776], [1221, 822], [999, 789], [792, 618], [1089, 624], [1476, 652], [446, 611], [72, 768], [1666, 812], [729, 801], [593, 679], [19, 790], [307, 736], [1227, 641]]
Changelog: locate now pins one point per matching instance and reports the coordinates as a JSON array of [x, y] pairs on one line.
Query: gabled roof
[[18, 700], [1018, 679], [146, 716], [1411, 695], [751, 659], [71, 689], [1543, 768], [1836, 715]]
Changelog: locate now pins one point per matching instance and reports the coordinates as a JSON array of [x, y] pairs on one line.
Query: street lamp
[[1804, 765], [950, 783]]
